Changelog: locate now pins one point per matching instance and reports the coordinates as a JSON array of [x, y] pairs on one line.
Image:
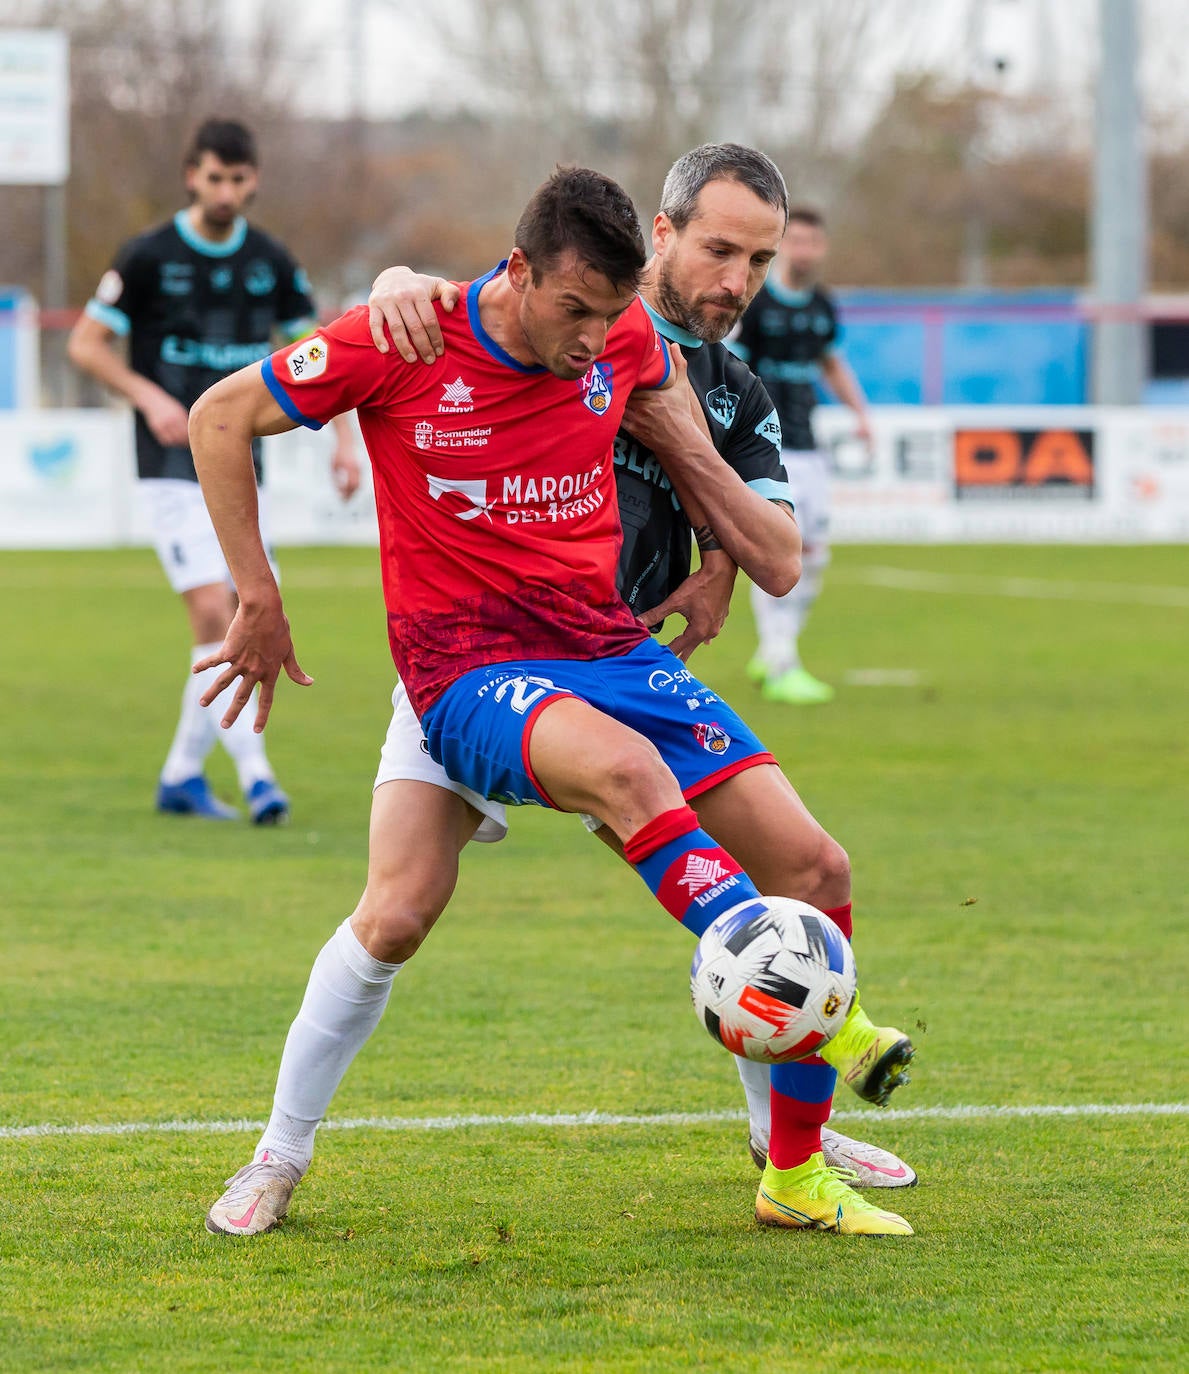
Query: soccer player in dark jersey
[[494, 491], [199, 297], [789, 337]]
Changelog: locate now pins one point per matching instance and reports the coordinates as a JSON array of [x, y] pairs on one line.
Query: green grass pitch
[[1015, 810]]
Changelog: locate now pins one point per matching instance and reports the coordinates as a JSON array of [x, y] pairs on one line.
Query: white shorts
[[185, 539], [405, 756], [809, 482]]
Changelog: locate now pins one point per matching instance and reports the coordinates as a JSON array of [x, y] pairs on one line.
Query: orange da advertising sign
[[1024, 464]]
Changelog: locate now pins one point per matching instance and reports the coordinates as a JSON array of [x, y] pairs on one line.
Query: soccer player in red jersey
[[499, 541]]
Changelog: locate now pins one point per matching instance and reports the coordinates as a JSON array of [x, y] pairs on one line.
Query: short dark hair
[[230, 141], [806, 214], [720, 162], [589, 214]]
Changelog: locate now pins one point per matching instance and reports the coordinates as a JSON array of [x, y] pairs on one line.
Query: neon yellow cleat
[[797, 688], [813, 1197], [871, 1060], [757, 669]]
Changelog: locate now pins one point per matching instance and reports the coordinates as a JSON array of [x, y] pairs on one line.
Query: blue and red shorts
[[479, 728]]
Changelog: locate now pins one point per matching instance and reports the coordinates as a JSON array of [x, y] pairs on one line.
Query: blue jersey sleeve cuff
[[109, 316], [668, 366], [282, 397], [771, 490]]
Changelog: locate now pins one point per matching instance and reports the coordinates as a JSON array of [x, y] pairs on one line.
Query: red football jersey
[[495, 488]]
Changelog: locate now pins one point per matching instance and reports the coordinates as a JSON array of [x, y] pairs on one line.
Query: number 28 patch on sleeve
[[307, 359]]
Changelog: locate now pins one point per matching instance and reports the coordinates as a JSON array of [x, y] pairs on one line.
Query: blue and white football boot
[[193, 797]]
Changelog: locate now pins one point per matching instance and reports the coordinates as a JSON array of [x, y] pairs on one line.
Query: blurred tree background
[[907, 138]]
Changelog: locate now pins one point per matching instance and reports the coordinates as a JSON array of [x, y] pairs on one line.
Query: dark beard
[[677, 310]]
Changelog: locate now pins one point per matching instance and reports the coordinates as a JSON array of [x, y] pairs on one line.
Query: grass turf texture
[[1016, 826]]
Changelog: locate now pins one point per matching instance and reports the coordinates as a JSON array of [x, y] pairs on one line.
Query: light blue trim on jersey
[[772, 490], [282, 397], [108, 316], [292, 330], [786, 295], [740, 350], [224, 249], [499, 354], [673, 332]]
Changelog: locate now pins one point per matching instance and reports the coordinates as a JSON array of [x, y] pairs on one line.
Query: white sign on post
[[34, 107]]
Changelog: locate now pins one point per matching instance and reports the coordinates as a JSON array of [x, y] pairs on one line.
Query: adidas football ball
[[773, 979]]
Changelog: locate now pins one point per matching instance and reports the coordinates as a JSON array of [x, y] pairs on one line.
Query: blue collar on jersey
[[499, 354], [668, 330], [786, 295], [232, 244]]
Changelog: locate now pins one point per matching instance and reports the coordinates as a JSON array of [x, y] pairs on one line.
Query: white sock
[[195, 734], [757, 1081], [781, 619], [344, 1000], [241, 741]]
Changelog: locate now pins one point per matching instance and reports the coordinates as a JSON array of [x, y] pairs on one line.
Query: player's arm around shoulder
[[757, 533]]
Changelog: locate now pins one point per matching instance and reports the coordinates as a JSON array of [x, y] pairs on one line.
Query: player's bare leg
[[417, 832]]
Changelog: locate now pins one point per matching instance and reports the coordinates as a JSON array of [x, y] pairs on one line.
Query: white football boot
[[256, 1198], [872, 1167]]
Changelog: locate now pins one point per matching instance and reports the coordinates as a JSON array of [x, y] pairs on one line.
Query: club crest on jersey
[[712, 737], [722, 404], [308, 359], [596, 388], [423, 433]]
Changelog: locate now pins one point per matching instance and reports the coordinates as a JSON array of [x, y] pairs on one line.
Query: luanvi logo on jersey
[[596, 388], [473, 494], [722, 404], [308, 359], [456, 398]]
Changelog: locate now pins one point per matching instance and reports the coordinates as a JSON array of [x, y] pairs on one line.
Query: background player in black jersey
[[198, 298], [723, 211], [789, 337]]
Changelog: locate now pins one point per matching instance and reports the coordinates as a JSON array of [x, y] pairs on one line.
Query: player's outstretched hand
[[402, 300], [258, 645], [345, 470], [704, 599], [654, 416]]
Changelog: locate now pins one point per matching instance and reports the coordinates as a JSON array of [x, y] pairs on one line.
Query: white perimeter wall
[[936, 475]]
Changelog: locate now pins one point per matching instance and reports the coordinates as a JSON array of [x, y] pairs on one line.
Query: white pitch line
[[577, 1119], [1032, 588]]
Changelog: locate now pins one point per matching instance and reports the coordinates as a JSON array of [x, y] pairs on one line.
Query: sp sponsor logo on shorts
[[661, 681], [596, 388], [308, 360], [712, 737]]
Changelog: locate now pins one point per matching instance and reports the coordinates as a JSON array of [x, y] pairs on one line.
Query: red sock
[[796, 1129], [841, 916]]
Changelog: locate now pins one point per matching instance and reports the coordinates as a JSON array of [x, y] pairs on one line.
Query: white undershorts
[[183, 535], [405, 756], [809, 483]]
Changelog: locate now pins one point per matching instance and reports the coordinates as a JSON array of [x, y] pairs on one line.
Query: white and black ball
[[773, 979]]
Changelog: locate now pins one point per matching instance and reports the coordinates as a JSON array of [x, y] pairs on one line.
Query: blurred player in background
[[731, 202], [789, 337], [199, 297]]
